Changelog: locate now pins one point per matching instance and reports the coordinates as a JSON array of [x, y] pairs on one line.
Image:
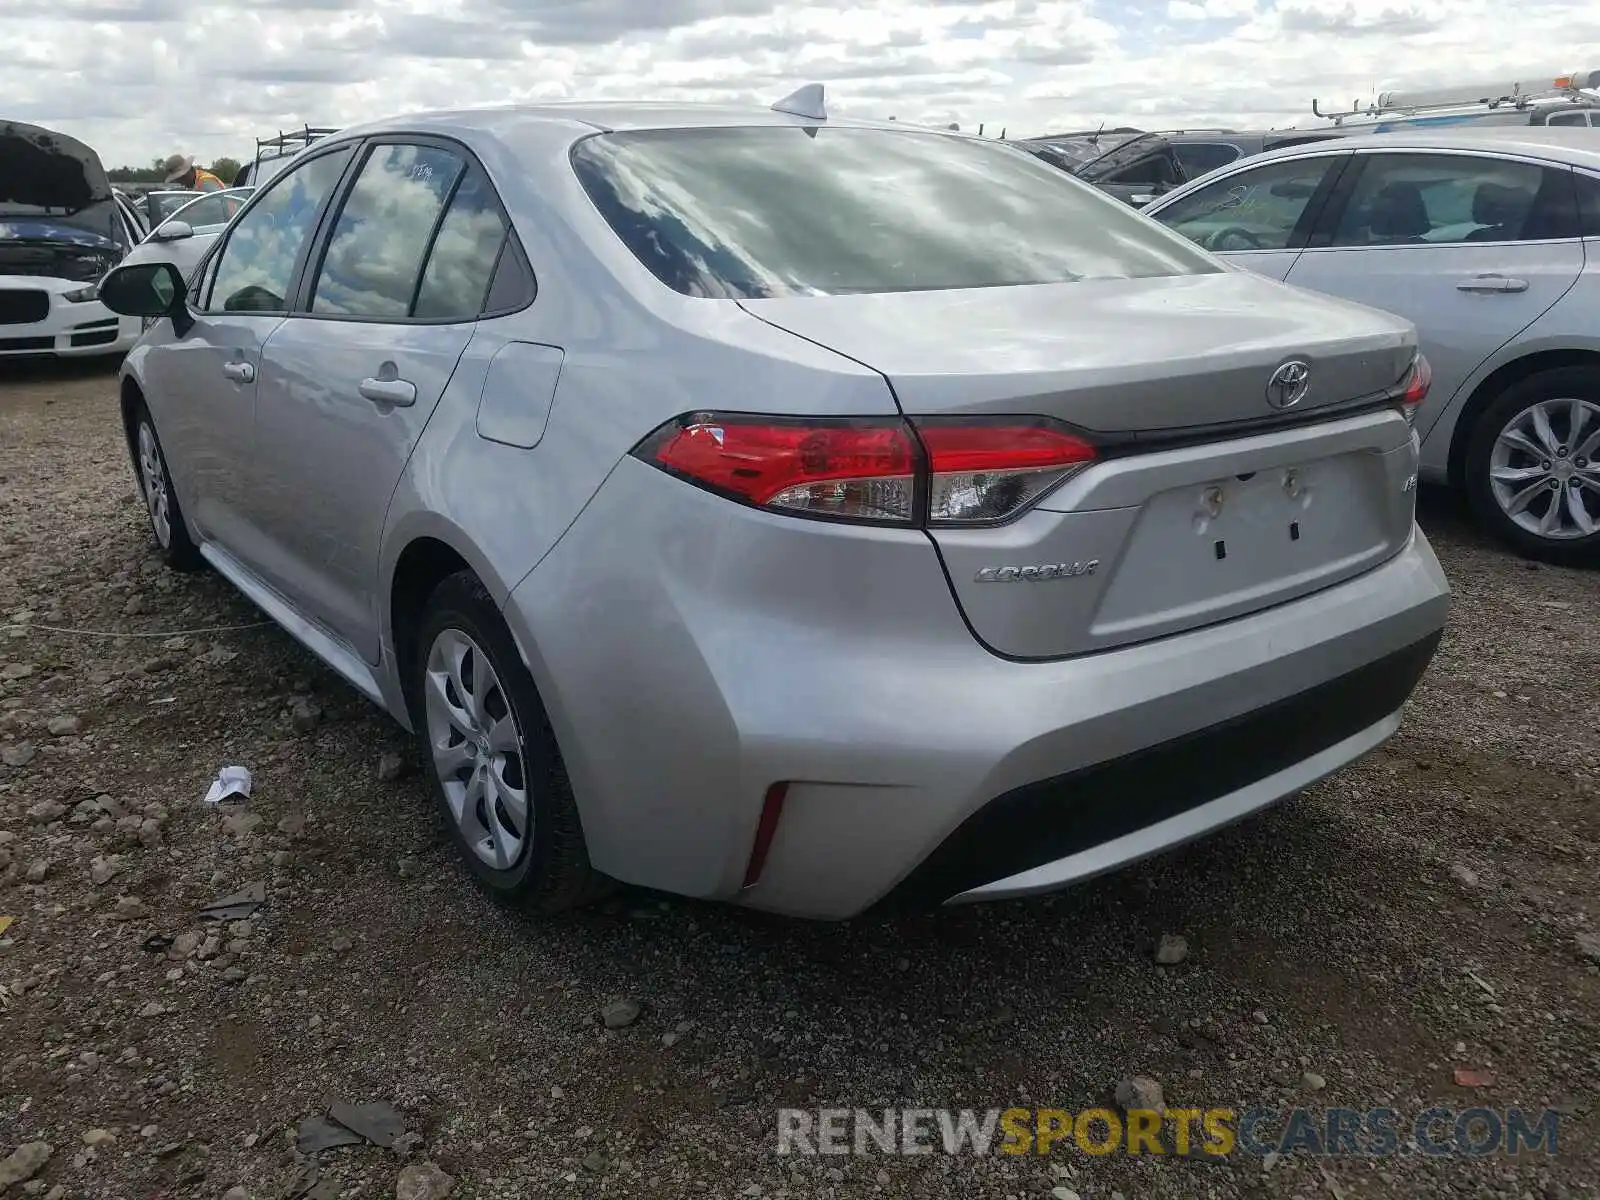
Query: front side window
[[747, 213], [214, 208], [374, 258], [1250, 210], [1432, 199], [257, 266], [1568, 118]]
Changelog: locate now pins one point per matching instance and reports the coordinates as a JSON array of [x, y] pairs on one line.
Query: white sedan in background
[[183, 238]]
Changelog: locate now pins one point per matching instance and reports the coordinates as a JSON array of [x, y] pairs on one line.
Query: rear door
[[1470, 247], [353, 375], [1258, 217]]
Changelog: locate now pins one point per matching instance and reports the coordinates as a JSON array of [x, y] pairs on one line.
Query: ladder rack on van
[[291, 143], [1576, 87]]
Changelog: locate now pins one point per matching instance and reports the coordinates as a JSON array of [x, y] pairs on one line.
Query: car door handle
[[1492, 283], [399, 392], [239, 372]]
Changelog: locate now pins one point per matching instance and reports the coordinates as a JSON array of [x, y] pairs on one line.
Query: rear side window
[[748, 213], [1256, 209], [374, 259], [1588, 200], [461, 264], [1433, 199], [1199, 157]]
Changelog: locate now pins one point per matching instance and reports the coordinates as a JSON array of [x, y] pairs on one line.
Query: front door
[[204, 401], [355, 374], [1471, 248]]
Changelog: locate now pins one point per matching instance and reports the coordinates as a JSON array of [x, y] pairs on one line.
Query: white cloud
[[142, 78]]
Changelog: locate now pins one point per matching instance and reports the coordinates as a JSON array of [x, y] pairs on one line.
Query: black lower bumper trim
[[1053, 818]]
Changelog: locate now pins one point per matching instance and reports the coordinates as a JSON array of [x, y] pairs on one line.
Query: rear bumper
[[1092, 820], [692, 653]]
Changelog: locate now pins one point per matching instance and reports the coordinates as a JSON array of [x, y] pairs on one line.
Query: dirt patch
[[1418, 912]]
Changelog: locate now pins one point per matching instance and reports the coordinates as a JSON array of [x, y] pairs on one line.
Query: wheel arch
[[130, 397], [426, 550], [1497, 381]]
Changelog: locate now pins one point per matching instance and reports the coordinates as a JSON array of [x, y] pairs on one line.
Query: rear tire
[[1532, 467], [167, 525], [498, 777]]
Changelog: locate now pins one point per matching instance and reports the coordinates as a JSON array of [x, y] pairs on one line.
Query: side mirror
[[1140, 199], [147, 290], [172, 231]]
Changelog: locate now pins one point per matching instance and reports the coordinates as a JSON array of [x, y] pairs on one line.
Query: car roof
[[506, 121], [1575, 145]]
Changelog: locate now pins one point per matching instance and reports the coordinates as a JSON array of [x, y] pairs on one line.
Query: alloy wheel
[[477, 749], [1544, 469], [153, 475]]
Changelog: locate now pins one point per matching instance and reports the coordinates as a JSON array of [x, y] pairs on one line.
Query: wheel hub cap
[[477, 749]]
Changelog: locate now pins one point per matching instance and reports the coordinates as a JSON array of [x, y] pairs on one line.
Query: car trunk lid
[[1207, 503]]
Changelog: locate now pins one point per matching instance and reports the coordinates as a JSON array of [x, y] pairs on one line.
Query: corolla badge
[[1038, 573], [1289, 384]]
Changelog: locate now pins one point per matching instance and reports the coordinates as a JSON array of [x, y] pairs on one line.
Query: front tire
[[1533, 466], [498, 777], [167, 526]]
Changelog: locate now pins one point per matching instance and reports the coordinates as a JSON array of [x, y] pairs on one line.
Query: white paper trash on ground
[[230, 781]]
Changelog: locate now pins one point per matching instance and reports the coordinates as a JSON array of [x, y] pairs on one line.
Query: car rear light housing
[[938, 471], [1414, 388]]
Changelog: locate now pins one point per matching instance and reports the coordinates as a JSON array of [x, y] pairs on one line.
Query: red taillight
[[856, 469], [984, 472], [962, 471], [1416, 388]]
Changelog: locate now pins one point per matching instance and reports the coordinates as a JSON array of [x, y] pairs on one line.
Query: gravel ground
[[1427, 910]]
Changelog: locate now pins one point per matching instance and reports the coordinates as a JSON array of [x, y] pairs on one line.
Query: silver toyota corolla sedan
[[812, 514]]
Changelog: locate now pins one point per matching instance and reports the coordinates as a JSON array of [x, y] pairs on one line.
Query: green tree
[[225, 169]]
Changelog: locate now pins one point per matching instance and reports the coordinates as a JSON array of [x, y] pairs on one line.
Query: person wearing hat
[[182, 171]]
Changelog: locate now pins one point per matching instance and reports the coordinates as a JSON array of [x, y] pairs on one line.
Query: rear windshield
[[748, 213]]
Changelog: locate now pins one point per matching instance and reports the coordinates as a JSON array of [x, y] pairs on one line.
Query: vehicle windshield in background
[[1093, 154], [749, 213]]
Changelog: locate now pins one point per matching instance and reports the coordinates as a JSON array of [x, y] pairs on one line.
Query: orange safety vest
[[205, 181]]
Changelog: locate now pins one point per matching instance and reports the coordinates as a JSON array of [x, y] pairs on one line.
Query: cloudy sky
[[141, 78]]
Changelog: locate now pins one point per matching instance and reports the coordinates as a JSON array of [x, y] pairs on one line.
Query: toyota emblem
[[1289, 384]]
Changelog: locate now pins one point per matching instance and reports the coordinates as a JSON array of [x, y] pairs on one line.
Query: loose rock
[[423, 1181], [64, 726], [1465, 875], [1171, 949], [1140, 1092], [17, 754], [1313, 1082], [390, 767], [46, 811], [620, 1013], [104, 870], [38, 870], [26, 1161]]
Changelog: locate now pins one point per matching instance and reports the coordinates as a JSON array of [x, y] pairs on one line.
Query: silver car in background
[[810, 514], [1485, 238]]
